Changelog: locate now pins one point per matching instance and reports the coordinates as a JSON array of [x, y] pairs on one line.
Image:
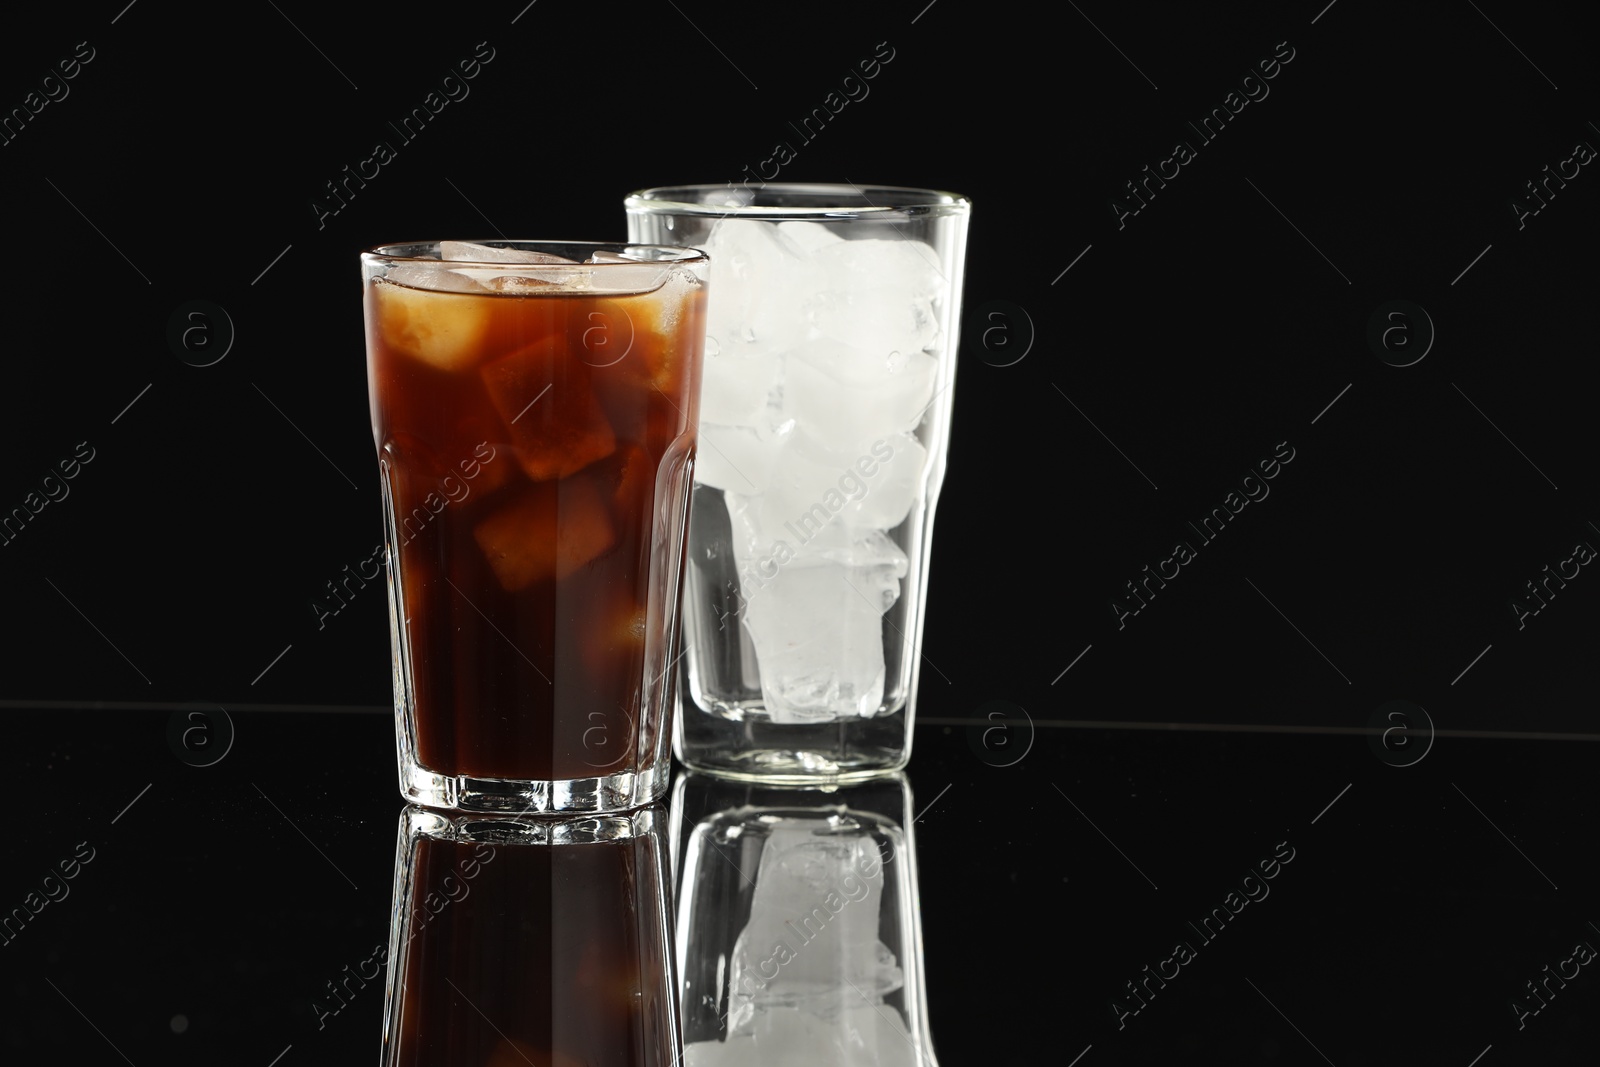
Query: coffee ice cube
[[612, 625], [431, 276], [548, 410], [546, 530], [632, 477], [427, 314], [471, 252], [636, 277], [639, 333], [505, 279]]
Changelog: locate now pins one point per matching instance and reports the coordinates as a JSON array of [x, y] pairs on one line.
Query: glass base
[[749, 745], [615, 792], [795, 767]]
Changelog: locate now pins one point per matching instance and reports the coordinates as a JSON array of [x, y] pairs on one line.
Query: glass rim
[[841, 201], [388, 253]]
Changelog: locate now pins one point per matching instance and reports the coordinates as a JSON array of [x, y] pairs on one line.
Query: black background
[[1180, 348]]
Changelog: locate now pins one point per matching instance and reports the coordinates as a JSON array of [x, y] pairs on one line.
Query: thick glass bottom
[[749, 745], [614, 792]]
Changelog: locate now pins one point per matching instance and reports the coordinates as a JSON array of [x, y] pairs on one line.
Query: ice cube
[[466, 251], [603, 333], [730, 197], [548, 530], [760, 283], [760, 550], [443, 328], [736, 458], [876, 319], [429, 276], [868, 549], [902, 467], [841, 393], [527, 280], [505, 279], [735, 387], [822, 493], [750, 542], [642, 333], [634, 481], [611, 627], [809, 237], [487, 467], [869, 562], [804, 495], [817, 627], [548, 410], [911, 267], [635, 278]]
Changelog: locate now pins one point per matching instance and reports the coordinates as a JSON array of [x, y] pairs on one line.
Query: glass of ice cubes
[[824, 416]]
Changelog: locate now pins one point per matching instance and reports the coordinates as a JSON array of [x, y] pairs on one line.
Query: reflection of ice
[[808, 974], [812, 937], [792, 1037]]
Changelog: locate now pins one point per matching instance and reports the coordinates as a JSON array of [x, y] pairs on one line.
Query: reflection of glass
[[523, 941], [798, 937]]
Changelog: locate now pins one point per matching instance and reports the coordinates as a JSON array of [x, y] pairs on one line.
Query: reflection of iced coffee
[[535, 420], [798, 935], [523, 941]]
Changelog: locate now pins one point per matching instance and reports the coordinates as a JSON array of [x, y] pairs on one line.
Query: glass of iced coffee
[[534, 408]]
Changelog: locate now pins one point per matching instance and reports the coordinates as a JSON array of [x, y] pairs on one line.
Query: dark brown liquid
[[549, 955], [528, 485]]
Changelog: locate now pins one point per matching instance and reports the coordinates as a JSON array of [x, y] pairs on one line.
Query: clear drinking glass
[[534, 410], [530, 941], [824, 422], [799, 937]]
